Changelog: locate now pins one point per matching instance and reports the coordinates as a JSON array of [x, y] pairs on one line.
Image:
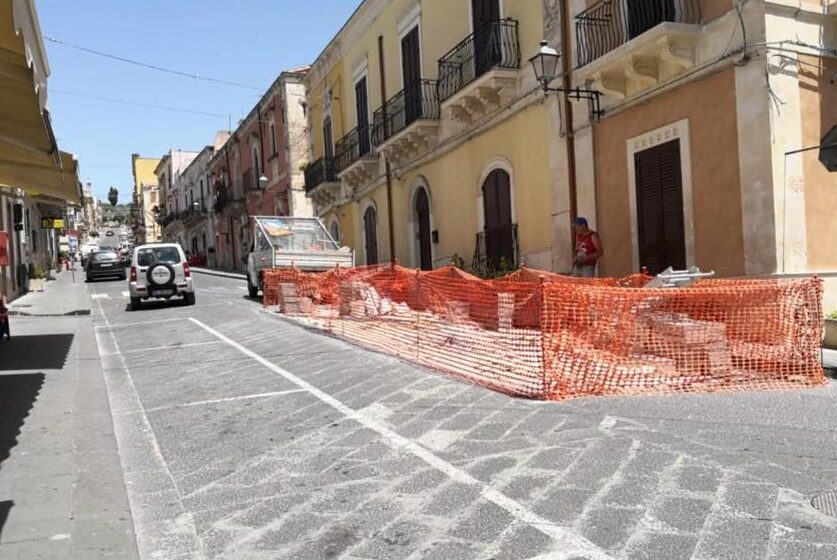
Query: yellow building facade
[[442, 92]]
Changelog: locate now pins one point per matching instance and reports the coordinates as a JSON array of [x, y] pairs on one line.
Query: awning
[[29, 156]]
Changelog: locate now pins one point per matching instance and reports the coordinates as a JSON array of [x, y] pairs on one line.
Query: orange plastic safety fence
[[543, 335]]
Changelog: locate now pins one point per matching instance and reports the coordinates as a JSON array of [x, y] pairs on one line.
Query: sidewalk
[[64, 296], [217, 272], [62, 493]]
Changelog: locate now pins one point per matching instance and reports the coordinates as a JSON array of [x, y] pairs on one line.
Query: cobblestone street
[[244, 436]]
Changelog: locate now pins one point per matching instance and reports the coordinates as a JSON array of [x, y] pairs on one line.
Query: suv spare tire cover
[[160, 274]]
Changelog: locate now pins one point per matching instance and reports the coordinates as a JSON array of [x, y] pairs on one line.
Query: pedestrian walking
[[588, 249], [4, 320]]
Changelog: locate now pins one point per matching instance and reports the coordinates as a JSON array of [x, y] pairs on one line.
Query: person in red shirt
[[4, 320], [588, 249]]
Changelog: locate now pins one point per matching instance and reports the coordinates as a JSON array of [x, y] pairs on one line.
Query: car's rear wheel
[[136, 303], [189, 298], [252, 290]]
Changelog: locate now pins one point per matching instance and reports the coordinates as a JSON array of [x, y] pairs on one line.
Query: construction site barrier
[[546, 336]]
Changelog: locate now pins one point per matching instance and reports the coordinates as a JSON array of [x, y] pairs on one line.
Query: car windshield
[[105, 256], [151, 255], [291, 234]]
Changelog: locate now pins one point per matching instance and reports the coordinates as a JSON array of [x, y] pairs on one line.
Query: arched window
[[423, 235], [499, 242]]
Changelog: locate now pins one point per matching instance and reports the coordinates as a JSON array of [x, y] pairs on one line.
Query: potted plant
[[36, 278], [830, 338]]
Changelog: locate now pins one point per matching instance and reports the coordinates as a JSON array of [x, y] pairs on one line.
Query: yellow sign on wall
[[52, 223]]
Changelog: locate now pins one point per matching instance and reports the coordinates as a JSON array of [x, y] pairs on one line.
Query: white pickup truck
[[287, 242]]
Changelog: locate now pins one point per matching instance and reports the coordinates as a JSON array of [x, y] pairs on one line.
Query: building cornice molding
[[357, 24]]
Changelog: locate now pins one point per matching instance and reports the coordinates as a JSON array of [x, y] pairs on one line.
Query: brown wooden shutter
[[659, 199]]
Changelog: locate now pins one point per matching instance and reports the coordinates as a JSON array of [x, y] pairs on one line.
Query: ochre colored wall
[[454, 182], [711, 9], [709, 105], [818, 97], [144, 172]]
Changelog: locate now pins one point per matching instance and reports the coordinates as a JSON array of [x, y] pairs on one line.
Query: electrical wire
[[137, 103], [194, 76]]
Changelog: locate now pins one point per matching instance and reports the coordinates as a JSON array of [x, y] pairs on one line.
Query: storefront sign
[[52, 223], [4, 248]]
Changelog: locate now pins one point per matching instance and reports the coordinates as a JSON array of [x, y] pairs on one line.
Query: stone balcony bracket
[[484, 96], [417, 139], [360, 173], [657, 56], [326, 193]]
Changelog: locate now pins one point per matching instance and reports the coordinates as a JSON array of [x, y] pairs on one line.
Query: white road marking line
[[100, 296], [126, 293], [228, 399], [567, 543], [167, 347], [242, 288], [109, 326], [146, 543]]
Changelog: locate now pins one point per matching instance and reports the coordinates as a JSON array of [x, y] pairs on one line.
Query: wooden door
[[411, 71], [370, 226], [659, 199], [328, 139], [362, 108], [499, 230], [486, 35], [424, 236], [645, 14]]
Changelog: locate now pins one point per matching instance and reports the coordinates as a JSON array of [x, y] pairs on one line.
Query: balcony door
[[362, 109], [499, 230], [487, 51], [370, 228], [646, 14], [659, 201], [411, 72], [328, 139]]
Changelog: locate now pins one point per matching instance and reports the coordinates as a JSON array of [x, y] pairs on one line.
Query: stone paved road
[[244, 436]]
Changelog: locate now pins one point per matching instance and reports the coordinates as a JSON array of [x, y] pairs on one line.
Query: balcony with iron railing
[[494, 45], [627, 46], [355, 160], [226, 197], [320, 172], [479, 73], [497, 250], [408, 123]]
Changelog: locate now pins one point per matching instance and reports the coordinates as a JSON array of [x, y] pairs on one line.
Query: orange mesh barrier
[[542, 335]]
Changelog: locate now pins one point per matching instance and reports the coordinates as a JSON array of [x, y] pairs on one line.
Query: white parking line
[[100, 296], [125, 293], [566, 542], [228, 399]]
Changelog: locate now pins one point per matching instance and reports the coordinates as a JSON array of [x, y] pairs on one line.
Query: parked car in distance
[[104, 264], [160, 270]]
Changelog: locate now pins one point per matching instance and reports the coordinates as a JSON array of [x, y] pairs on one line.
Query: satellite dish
[[828, 150]]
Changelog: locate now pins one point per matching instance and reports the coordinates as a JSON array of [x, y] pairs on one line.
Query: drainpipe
[[386, 159], [568, 110]]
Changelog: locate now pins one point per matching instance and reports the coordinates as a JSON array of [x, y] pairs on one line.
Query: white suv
[[160, 270]]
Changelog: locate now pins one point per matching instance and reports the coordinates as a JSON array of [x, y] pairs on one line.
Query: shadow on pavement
[[42, 351], [5, 506], [155, 304], [18, 393]]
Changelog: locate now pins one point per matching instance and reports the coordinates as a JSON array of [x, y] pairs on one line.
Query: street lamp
[[545, 64], [263, 180]]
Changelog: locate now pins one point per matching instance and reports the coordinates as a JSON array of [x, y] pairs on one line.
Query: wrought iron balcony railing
[[319, 172], [352, 147], [168, 219], [493, 45], [224, 197], [497, 250], [608, 24], [418, 100]]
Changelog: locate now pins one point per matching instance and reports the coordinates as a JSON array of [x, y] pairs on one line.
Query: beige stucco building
[[696, 159]]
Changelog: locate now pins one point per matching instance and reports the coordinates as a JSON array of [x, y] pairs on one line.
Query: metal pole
[[386, 159]]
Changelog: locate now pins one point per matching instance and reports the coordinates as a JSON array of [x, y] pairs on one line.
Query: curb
[[210, 272]]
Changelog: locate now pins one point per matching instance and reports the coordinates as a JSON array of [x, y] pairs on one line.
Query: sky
[[248, 42]]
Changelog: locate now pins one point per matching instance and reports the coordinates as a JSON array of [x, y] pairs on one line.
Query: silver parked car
[[160, 270]]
